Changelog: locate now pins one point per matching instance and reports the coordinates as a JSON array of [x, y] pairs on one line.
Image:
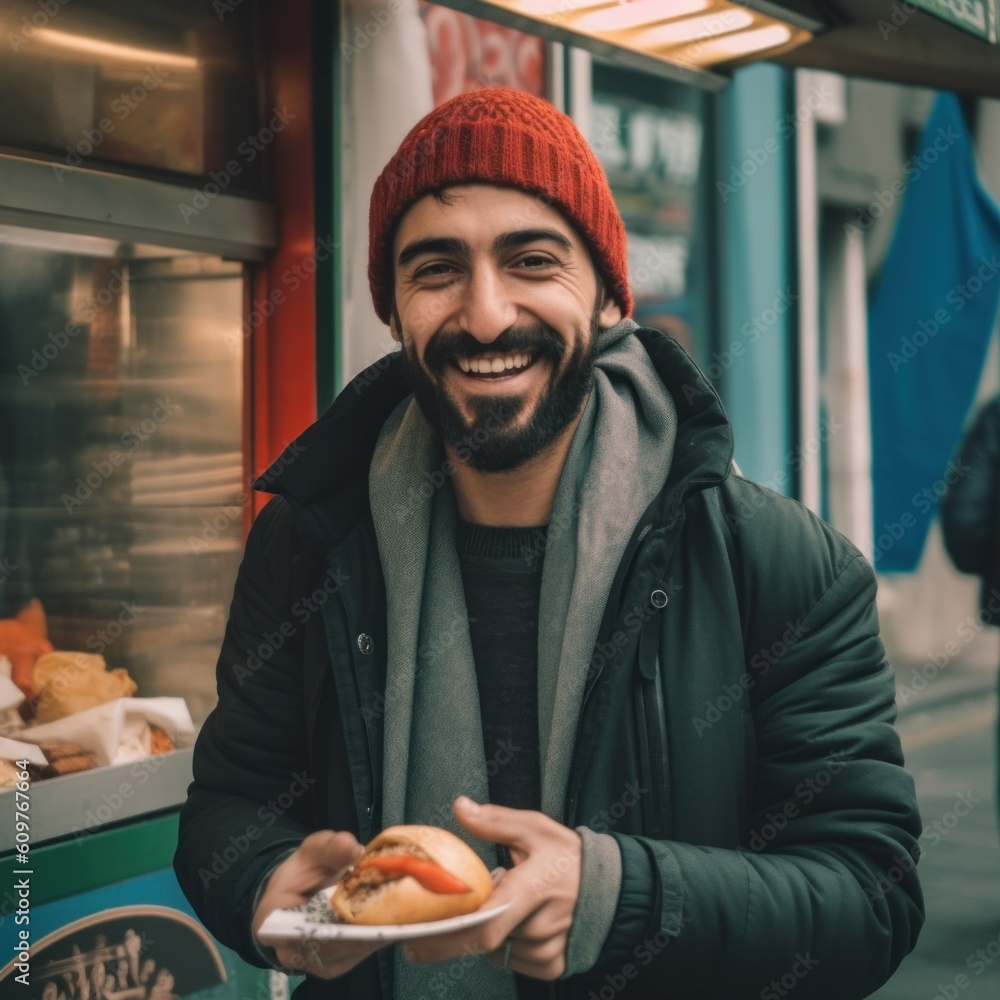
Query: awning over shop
[[945, 44]]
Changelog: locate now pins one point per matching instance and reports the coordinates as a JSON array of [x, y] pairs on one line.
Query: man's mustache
[[538, 340]]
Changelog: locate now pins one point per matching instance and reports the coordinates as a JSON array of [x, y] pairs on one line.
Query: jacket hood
[[326, 479]]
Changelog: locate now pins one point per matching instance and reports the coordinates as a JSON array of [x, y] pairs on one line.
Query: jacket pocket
[[650, 725]]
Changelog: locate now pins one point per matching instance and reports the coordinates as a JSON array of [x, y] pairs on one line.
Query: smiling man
[[561, 627]]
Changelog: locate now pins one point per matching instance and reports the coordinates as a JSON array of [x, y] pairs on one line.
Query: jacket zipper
[[613, 602]]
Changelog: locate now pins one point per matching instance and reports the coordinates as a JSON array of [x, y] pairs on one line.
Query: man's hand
[[321, 860], [542, 889]]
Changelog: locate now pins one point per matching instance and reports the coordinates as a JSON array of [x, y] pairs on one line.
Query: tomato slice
[[429, 874]]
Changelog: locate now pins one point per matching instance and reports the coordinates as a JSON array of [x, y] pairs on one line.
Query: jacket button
[[365, 643], [658, 598], [368, 810]]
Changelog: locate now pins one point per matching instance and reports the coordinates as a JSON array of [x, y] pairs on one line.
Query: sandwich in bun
[[409, 874]]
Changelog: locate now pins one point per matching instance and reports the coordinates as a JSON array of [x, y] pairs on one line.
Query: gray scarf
[[617, 463]]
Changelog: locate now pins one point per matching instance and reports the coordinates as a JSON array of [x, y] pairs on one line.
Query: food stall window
[[121, 484]]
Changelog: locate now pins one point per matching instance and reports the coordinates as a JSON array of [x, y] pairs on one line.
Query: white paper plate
[[315, 922]]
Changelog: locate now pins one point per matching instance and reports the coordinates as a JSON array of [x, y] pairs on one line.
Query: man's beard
[[488, 443]]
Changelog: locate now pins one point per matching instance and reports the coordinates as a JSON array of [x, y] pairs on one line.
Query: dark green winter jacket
[[736, 737]]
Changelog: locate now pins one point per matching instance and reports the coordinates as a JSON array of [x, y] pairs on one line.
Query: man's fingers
[[329, 852], [318, 861], [500, 824], [330, 845]]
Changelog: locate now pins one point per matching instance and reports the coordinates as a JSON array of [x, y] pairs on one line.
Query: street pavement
[[949, 732]]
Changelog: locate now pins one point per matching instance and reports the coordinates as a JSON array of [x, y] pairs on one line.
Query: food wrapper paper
[[10, 694], [15, 750], [118, 731]]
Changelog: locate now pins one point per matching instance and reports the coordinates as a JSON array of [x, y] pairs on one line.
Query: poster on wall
[[132, 940], [650, 137], [125, 953], [468, 53]]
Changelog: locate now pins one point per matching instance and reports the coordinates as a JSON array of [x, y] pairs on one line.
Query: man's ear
[[610, 312], [394, 324]]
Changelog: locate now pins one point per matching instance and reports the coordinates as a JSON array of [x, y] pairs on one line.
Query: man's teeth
[[494, 362]]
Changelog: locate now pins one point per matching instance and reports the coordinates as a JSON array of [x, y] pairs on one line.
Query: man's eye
[[435, 269], [534, 260]]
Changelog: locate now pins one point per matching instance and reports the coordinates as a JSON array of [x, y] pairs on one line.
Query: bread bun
[[71, 682], [369, 896], [64, 665]]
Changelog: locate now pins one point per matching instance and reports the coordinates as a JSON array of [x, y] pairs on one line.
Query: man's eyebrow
[[433, 244], [521, 236]]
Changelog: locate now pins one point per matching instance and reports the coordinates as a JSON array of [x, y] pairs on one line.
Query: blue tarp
[[929, 324]]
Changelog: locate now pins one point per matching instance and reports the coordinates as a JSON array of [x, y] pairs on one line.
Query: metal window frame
[[39, 194]]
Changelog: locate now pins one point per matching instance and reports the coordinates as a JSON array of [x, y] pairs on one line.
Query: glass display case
[[124, 496], [121, 462]]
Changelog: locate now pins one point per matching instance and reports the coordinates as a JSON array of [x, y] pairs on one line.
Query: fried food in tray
[[65, 684], [63, 758], [159, 741], [72, 758]]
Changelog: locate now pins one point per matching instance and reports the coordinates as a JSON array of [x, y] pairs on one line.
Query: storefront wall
[[147, 378]]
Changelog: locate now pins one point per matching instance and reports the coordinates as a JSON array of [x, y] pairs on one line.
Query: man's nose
[[487, 309]]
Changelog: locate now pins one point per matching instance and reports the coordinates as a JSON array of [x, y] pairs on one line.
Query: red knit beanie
[[498, 136]]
